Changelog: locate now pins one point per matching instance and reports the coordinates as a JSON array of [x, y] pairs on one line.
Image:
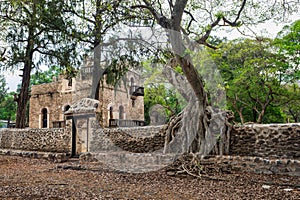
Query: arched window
[[70, 82], [121, 112], [132, 81], [66, 108], [131, 85], [44, 118]]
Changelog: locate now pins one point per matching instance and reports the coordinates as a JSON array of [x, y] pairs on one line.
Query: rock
[[266, 186], [171, 173]]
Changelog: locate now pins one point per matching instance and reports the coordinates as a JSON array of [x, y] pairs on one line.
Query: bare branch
[[161, 20], [191, 21], [235, 22], [203, 39]]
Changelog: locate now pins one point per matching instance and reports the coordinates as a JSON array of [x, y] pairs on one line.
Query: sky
[[13, 78]]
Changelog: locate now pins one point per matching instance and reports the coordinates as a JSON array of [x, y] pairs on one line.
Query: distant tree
[[254, 78], [167, 98], [159, 91], [3, 88], [45, 76], [290, 103], [288, 45], [8, 107], [261, 77]]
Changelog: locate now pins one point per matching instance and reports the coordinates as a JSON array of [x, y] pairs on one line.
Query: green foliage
[[158, 91], [290, 102], [33, 37], [8, 107], [288, 43], [3, 88], [252, 75], [35, 23], [160, 94], [117, 68], [45, 76]]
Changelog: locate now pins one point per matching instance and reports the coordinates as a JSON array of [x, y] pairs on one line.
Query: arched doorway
[[111, 112], [44, 118], [121, 112]]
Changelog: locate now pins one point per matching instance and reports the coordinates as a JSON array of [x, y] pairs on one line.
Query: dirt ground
[[25, 178]]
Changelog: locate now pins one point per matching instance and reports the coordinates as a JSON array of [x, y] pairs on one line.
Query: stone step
[[132, 162]]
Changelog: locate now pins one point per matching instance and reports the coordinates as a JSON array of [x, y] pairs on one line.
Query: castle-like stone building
[[121, 105]]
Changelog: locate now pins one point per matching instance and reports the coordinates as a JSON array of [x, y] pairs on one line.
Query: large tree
[[94, 23], [32, 38], [288, 45], [191, 22], [253, 77]]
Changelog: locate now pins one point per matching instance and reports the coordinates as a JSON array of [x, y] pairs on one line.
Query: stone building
[[122, 105]]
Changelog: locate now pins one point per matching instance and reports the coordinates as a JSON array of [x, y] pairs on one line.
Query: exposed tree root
[[193, 165]]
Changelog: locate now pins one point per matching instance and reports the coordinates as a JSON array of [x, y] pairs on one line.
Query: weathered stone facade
[[53, 98], [49, 102], [119, 103]]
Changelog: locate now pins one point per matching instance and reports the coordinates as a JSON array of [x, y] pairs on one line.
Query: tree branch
[[161, 20], [235, 22], [203, 39]]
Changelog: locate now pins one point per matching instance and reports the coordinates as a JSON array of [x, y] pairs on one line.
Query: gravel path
[[24, 178]]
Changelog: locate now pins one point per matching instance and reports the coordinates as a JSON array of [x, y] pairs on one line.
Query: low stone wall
[[258, 140], [266, 140], [255, 164], [44, 140], [268, 149], [136, 140], [51, 156]]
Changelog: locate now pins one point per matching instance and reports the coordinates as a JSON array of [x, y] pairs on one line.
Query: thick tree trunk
[[97, 70], [194, 120], [23, 97], [198, 127]]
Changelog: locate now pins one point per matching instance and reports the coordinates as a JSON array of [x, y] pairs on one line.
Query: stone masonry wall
[[256, 140], [266, 140], [137, 139], [254, 164], [43, 140]]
